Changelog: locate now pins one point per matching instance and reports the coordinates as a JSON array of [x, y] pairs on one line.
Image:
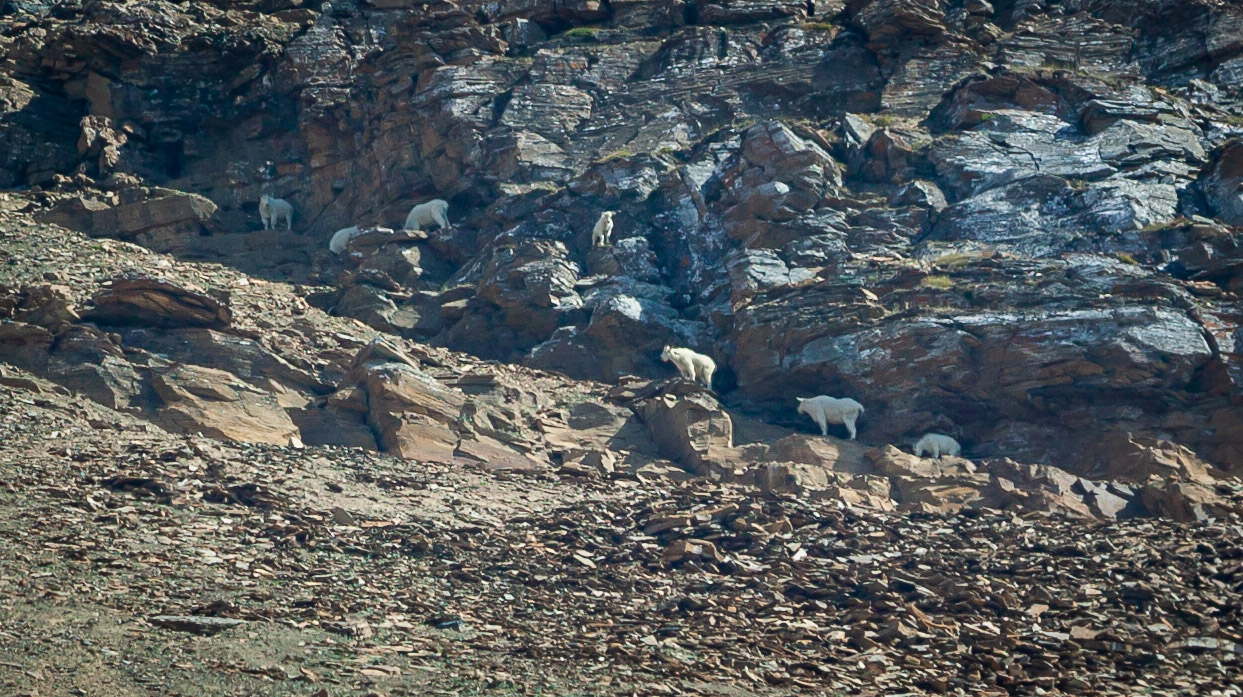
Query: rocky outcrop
[[155, 302], [217, 404], [687, 425], [1013, 222], [1223, 185], [411, 414], [160, 219]]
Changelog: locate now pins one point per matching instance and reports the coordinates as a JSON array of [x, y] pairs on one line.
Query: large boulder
[[1044, 215], [244, 357], [896, 21], [136, 300], [687, 425], [79, 357], [630, 323], [161, 219], [412, 415], [215, 403]]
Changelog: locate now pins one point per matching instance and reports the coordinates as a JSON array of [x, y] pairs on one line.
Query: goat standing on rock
[[825, 410], [271, 210], [434, 211], [603, 229], [693, 366], [938, 445]]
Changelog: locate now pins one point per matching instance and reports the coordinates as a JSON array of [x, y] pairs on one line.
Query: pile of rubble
[[608, 585]]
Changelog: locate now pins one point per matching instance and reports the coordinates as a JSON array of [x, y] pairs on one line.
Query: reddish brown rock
[[217, 404], [156, 302], [687, 425]]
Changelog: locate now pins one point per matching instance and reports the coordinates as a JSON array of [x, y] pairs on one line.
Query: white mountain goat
[[825, 410], [271, 210], [434, 211], [938, 445], [695, 367], [603, 229], [341, 239]]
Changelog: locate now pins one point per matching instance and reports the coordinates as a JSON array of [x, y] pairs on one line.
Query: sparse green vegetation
[[987, 116], [954, 261], [745, 122], [939, 282], [1126, 258], [583, 32], [818, 26], [619, 154], [1166, 225], [883, 120]]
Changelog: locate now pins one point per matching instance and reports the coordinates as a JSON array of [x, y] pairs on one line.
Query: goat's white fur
[[434, 211], [271, 210], [825, 410], [695, 367], [938, 445], [603, 229], [341, 239]]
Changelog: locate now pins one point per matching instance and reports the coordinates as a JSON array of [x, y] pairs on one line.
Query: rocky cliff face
[[1015, 223]]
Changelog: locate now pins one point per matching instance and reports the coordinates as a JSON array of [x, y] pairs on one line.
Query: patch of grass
[[883, 120], [742, 124], [818, 26], [939, 282], [583, 32], [620, 153], [987, 116], [954, 261], [1167, 225], [1126, 258]]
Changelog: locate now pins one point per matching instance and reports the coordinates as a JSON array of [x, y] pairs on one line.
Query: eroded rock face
[[1224, 186]]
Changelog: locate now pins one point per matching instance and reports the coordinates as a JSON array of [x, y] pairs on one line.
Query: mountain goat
[[695, 367], [938, 445], [825, 410], [434, 211], [271, 210], [603, 229], [341, 239]]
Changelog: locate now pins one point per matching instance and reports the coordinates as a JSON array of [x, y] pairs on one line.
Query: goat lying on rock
[[695, 367], [825, 410], [341, 239], [434, 211], [938, 445], [271, 210], [604, 228]]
